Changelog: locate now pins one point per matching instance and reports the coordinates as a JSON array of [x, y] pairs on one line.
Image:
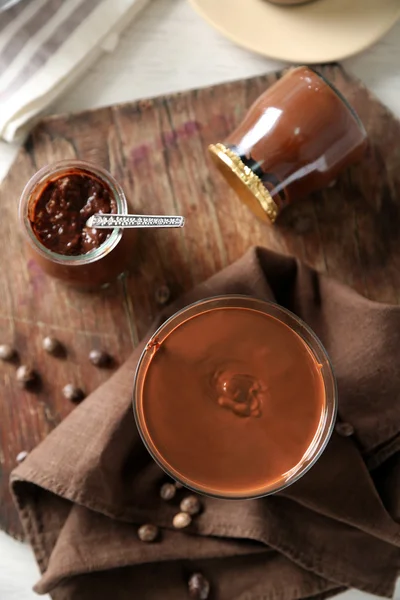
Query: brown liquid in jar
[[298, 136], [232, 400]]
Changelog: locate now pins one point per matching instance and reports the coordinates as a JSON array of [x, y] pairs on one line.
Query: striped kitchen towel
[[45, 45]]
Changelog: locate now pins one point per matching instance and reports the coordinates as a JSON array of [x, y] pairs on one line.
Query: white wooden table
[[169, 48]]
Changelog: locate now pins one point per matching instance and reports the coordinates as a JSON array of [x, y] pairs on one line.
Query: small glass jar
[[99, 266], [191, 432], [295, 139]]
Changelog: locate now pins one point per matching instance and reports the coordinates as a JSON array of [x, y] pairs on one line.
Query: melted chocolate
[[232, 400], [58, 217]]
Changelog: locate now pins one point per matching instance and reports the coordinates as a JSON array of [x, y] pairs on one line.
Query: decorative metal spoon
[[100, 221]]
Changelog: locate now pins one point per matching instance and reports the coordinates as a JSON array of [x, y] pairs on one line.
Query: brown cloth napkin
[[83, 492]]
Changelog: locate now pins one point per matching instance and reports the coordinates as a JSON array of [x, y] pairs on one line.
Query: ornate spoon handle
[[101, 221]]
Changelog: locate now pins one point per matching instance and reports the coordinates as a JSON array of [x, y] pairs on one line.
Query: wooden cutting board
[[157, 150]]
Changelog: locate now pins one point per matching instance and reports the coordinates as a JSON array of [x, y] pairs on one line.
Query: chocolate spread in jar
[[232, 400], [53, 210], [58, 216]]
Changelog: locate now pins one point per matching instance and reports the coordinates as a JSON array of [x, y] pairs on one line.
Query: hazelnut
[[73, 393], [148, 533], [190, 505], [7, 352], [99, 358], [162, 295], [21, 456], [26, 376], [181, 520], [51, 345], [344, 429], [168, 491], [199, 587]]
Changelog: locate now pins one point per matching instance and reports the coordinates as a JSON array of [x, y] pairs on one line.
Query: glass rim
[[57, 169], [322, 434]]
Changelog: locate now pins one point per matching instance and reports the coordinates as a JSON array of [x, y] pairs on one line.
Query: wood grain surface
[[157, 150]]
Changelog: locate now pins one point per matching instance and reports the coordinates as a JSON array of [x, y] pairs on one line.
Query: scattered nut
[[26, 376], [21, 456], [6, 352], [190, 505], [344, 429], [178, 485], [162, 295], [181, 520], [51, 345], [199, 588], [167, 491], [99, 358], [148, 533], [73, 393]]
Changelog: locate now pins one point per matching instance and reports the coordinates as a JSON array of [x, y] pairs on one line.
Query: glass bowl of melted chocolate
[[54, 208], [235, 397]]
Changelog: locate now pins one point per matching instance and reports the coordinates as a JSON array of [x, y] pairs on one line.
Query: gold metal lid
[[246, 184]]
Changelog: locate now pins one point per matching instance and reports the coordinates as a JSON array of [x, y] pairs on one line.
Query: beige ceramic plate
[[322, 31]]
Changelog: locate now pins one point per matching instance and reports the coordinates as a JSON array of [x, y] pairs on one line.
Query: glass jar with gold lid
[[295, 139]]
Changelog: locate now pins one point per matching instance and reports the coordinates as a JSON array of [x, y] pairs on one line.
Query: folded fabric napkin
[[83, 492], [45, 45]]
